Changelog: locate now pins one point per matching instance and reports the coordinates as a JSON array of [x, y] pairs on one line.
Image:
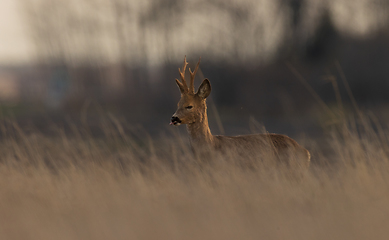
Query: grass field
[[130, 186]]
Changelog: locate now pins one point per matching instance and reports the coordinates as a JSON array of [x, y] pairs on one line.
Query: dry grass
[[127, 187]]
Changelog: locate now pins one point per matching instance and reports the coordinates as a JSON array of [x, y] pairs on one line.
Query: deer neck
[[199, 131]]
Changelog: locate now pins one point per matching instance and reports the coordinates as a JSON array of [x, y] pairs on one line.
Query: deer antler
[[182, 84], [192, 77]]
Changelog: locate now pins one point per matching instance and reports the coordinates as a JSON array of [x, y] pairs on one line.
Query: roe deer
[[192, 110]]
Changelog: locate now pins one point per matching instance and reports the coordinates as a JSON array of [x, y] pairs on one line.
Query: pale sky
[[15, 46]]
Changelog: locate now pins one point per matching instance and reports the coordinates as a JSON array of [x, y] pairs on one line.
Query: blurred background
[[288, 64]]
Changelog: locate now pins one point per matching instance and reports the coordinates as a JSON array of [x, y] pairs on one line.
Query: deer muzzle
[[175, 121]]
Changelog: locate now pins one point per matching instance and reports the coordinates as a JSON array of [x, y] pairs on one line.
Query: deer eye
[[189, 107]]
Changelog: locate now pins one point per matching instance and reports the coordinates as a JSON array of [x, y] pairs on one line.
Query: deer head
[[192, 106]]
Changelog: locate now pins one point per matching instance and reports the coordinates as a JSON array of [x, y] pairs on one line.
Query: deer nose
[[175, 120]]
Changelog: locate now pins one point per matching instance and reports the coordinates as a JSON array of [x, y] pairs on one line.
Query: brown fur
[[192, 110]]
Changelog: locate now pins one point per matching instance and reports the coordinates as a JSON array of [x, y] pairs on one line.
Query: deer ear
[[204, 89]]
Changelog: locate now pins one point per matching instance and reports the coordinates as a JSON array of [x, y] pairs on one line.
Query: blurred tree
[[324, 42], [124, 43]]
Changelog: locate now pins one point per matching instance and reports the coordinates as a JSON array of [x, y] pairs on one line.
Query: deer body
[[192, 110]]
